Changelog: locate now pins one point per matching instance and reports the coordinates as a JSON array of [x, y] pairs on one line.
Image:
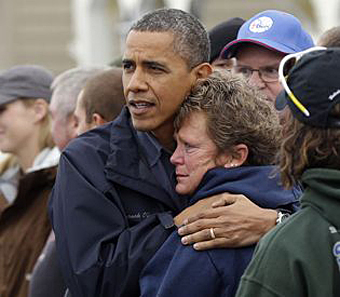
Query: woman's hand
[[236, 222]]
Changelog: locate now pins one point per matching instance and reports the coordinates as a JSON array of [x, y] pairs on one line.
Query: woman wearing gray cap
[[26, 176]]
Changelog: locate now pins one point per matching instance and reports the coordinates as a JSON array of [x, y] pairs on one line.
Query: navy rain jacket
[[108, 212], [178, 270]]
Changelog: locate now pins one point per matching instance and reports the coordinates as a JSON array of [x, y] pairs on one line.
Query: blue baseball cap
[[276, 30]]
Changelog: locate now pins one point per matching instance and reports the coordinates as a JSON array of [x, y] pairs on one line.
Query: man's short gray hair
[[191, 40], [67, 86]]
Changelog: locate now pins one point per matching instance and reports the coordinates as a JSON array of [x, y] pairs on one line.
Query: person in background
[[219, 36], [301, 257], [66, 88], [261, 43], [100, 101], [46, 279], [227, 138], [27, 179], [330, 38]]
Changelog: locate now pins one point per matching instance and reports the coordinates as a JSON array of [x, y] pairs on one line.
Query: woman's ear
[[239, 156], [40, 108]]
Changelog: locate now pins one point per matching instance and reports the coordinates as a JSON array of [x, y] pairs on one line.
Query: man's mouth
[[140, 104], [139, 108]]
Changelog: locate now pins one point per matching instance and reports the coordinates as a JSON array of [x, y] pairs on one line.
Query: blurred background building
[[66, 33]]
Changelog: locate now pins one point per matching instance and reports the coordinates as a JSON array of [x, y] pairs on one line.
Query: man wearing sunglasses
[[261, 44]]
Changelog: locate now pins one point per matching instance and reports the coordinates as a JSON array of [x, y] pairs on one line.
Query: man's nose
[[136, 81], [256, 80]]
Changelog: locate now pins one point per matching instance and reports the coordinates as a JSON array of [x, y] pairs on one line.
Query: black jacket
[[109, 213]]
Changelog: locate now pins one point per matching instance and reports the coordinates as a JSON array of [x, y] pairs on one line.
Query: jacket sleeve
[[99, 255]]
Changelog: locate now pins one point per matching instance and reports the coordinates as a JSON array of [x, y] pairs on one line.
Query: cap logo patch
[[332, 96], [261, 24], [336, 252]]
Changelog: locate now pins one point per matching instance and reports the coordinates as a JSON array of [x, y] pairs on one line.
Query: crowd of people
[[206, 165]]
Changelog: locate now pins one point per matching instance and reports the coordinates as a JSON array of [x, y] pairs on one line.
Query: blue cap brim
[[230, 49]]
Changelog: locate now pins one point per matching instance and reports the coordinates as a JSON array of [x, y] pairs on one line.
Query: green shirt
[[296, 258]]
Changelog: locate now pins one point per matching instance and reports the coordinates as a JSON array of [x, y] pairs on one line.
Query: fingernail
[[180, 231], [196, 246], [184, 240], [185, 222]]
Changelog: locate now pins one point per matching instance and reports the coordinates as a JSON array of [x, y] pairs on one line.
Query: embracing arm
[[99, 254], [236, 221]]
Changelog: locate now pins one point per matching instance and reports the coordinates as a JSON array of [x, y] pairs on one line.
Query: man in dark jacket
[[114, 202]]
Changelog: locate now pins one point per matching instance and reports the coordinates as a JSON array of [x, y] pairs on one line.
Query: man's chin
[[142, 127]]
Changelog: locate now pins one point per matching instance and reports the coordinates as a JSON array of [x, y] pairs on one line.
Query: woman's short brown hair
[[236, 113]]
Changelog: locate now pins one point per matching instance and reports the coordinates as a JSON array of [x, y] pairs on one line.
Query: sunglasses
[[286, 65]]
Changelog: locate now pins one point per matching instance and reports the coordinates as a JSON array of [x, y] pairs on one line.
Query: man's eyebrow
[[154, 64], [272, 65], [127, 61], [147, 64]]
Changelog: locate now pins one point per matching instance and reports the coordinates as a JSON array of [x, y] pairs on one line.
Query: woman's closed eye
[[188, 147]]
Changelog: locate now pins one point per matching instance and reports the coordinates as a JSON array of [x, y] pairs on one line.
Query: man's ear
[[98, 120], [72, 125], [203, 70], [239, 156]]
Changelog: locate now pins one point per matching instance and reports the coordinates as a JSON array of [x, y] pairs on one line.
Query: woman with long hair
[[26, 175]]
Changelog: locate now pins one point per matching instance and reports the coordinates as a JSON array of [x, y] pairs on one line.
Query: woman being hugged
[[227, 137], [26, 175]]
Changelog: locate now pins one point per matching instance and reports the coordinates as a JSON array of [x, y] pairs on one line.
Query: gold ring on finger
[[212, 233]]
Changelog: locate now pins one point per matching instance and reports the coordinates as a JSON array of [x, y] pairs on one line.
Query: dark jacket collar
[[258, 183], [128, 164]]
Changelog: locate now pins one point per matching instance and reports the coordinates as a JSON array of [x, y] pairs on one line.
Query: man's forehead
[[257, 53], [253, 47], [149, 43]]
